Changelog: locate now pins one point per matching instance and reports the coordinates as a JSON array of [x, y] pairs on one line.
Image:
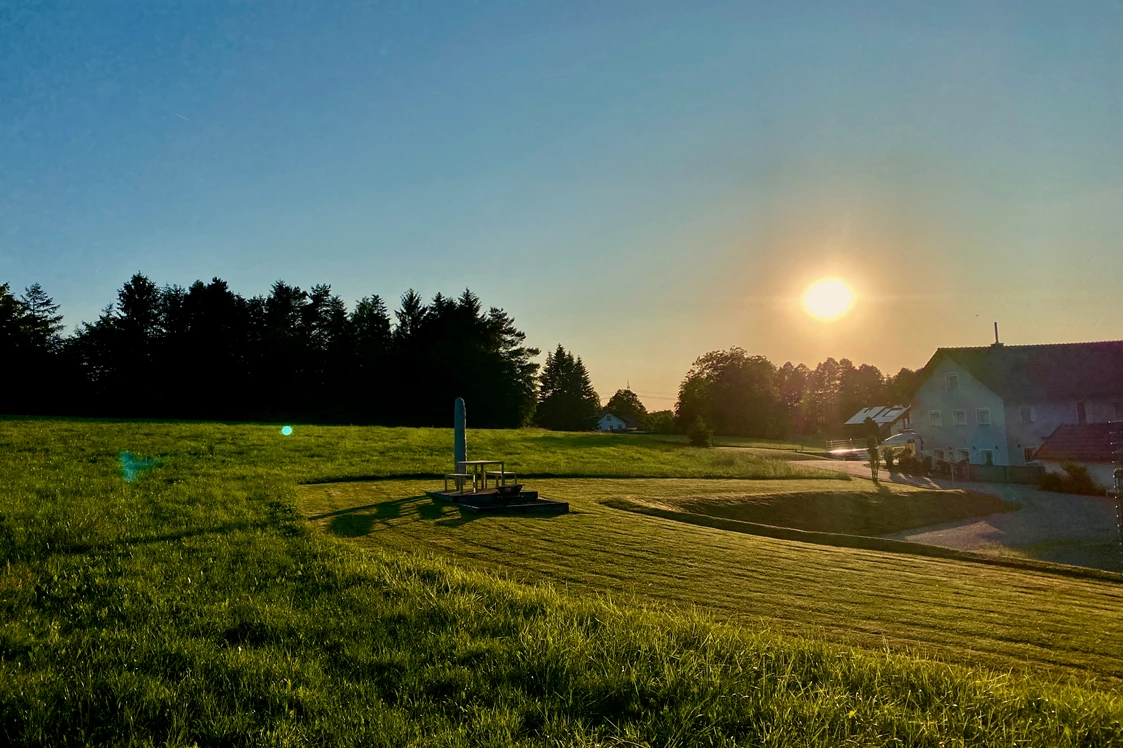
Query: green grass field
[[196, 605]]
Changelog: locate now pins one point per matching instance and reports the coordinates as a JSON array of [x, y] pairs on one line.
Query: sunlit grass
[[195, 605], [959, 611]]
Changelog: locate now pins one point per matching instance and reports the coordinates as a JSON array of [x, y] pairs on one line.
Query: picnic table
[[479, 468]]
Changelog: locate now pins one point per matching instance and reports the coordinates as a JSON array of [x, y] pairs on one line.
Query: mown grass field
[[956, 611], [808, 445], [196, 605]]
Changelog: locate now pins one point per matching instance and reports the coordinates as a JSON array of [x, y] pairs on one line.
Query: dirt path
[[1069, 529]]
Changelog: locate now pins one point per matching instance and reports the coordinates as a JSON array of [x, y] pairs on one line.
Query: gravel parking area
[[1067, 529]]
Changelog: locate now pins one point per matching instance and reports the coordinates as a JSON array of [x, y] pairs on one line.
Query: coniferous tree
[[13, 342], [566, 398], [44, 380], [11, 319], [516, 374], [42, 322], [283, 352], [371, 376]]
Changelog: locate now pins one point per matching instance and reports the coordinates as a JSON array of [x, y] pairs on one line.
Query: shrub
[[1051, 482], [907, 462], [699, 434], [888, 459], [661, 422], [1080, 482], [1075, 480]]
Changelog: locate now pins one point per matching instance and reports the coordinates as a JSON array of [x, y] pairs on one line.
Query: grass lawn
[[773, 453], [748, 442], [957, 611], [194, 605]]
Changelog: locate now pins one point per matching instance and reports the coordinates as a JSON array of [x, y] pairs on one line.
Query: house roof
[[1083, 442], [1059, 371], [627, 419], [881, 414]]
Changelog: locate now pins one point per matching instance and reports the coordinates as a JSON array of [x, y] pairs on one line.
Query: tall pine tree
[[566, 398]]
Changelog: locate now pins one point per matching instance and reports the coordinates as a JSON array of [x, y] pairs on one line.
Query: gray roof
[[881, 414], [1028, 373]]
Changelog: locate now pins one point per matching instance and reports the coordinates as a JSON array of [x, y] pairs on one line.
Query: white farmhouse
[[996, 405], [611, 421]]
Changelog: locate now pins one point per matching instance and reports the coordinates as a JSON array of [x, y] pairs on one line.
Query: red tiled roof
[[1083, 442], [1028, 373]]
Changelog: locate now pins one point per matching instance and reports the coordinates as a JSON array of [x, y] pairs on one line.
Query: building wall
[[971, 395], [1047, 416], [609, 422]]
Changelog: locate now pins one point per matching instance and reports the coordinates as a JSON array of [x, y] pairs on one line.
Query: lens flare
[[286, 431], [132, 466], [828, 299]]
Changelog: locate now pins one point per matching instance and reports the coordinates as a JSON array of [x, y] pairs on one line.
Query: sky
[[641, 182]]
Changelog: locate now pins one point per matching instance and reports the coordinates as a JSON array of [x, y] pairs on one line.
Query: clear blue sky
[[639, 181]]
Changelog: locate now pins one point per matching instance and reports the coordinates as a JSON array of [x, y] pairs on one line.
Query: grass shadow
[[351, 525]]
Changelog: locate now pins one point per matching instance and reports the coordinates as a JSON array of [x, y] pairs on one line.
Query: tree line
[[738, 394], [208, 353], [734, 393]]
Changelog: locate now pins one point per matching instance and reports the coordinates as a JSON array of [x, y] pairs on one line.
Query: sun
[[828, 299]]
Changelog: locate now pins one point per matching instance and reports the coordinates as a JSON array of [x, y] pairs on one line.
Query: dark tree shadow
[[382, 510], [357, 521], [456, 520], [432, 510], [351, 525]]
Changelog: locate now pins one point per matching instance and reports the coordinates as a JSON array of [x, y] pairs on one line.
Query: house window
[[1081, 413], [982, 416], [988, 457], [935, 418], [1027, 453], [959, 418], [962, 455], [1026, 412], [952, 381], [939, 454]]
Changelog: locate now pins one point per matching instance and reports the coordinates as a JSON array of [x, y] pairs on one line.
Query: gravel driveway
[[1068, 529]]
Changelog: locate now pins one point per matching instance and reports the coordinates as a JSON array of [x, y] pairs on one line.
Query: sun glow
[[828, 299]]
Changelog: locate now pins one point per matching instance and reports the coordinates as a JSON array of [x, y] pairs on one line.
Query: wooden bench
[[500, 477], [459, 479]]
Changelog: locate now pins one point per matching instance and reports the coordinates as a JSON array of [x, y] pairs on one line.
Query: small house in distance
[[611, 421], [1096, 446], [890, 420]]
